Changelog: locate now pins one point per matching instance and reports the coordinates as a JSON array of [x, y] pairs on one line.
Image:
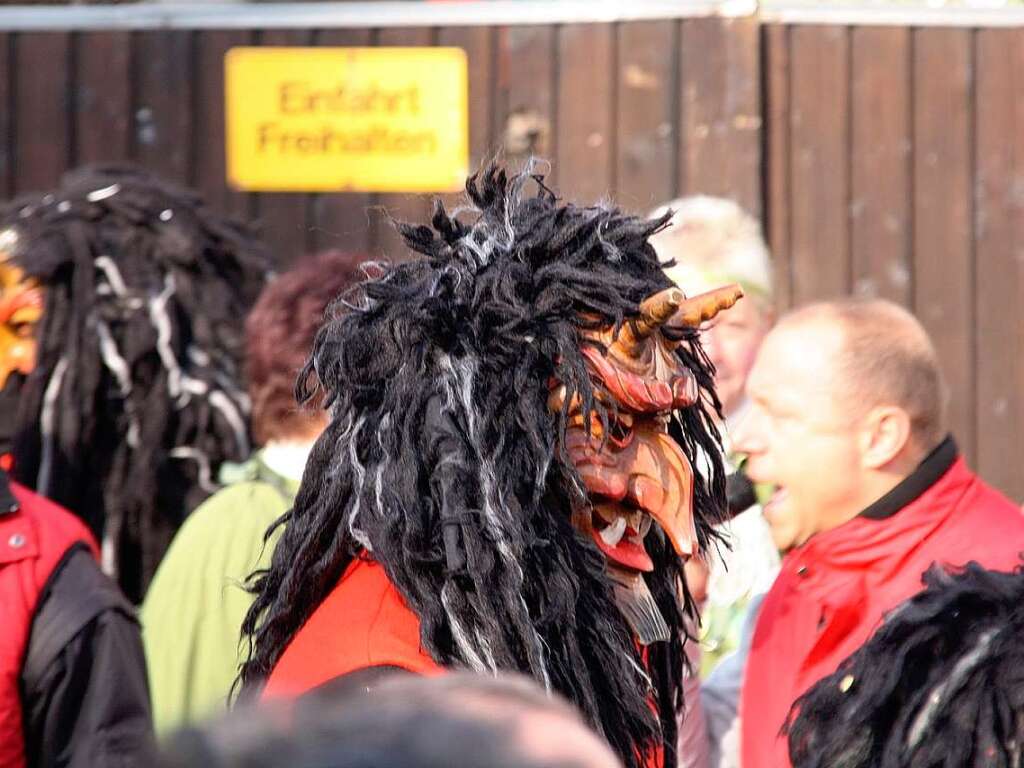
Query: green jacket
[[193, 611]]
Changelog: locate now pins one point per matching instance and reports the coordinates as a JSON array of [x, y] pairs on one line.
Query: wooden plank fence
[[884, 160], [894, 167], [636, 112]]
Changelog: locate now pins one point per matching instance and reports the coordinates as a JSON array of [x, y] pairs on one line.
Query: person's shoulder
[[80, 579], [34, 503], [985, 500], [222, 541], [240, 506], [986, 527], [246, 490], [78, 594], [229, 524], [41, 526], [46, 512]]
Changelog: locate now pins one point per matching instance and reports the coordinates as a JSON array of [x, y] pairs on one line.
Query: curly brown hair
[[279, 334]]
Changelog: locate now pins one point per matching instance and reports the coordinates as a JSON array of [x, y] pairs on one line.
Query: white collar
[[286, 458]]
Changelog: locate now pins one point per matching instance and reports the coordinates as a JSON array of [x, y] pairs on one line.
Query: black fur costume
[[136, 397], [443, 459], [940, 684]]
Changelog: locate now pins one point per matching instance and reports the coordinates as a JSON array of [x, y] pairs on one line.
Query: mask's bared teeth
[[605, 513], [612, 535]]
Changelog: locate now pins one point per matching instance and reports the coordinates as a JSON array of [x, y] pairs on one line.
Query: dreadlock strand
[[138, 354]]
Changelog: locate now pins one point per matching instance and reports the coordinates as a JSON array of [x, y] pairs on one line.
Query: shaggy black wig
[[136, 397], [437, 378], [940, 684]]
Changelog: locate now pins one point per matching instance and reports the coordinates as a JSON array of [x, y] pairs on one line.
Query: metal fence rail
[[476, 13], [360, 15]]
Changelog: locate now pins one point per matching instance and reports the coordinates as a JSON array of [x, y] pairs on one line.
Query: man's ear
[[884, 436]]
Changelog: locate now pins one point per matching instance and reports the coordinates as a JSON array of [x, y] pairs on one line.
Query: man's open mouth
[[778, 498], [619, 532]]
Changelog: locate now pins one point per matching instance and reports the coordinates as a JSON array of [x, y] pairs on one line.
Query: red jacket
[[832, 592], [35, 534], [363, 622]]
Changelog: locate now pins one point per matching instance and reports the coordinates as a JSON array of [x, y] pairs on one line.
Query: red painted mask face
[[636, 476], [21, 307]]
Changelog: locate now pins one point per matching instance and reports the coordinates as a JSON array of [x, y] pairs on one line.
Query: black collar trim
[[928, 472], [8, 503]]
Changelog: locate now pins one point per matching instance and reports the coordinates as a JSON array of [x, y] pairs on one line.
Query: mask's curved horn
[[701, 308], [654, 312]]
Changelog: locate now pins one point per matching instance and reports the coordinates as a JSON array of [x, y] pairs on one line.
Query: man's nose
[[708, 340], [746, 434]]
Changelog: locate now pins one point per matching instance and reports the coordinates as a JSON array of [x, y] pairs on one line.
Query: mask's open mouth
[[619, 532]]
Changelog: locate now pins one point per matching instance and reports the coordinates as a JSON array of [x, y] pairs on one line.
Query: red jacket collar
[[920, 502], [928, 472]]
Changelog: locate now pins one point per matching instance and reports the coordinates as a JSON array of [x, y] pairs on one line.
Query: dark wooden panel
[[819, 120], [210, 148], [41, 110], [721, 110], [1017, 489], [646, 119], [163, 103], [880, 163], [403, 207], [586, 133], [6, 115], [1000, 278], [103, 97], [283, 215], [524, 101], [777, 166], [479, 45], [341, 220], [943, 298]]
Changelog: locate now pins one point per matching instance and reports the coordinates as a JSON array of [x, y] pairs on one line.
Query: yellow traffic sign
[[346, 119]]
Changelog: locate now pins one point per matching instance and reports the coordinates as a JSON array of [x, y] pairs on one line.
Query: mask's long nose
[[661, 484]]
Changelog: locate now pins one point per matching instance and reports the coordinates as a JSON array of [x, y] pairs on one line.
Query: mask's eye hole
[[620, 432], [23, 330], [23, 320]]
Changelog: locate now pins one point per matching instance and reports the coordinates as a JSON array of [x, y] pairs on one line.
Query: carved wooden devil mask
[[21, 307], [635, 474]]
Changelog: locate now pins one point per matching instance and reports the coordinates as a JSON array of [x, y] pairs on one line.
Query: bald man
[[847, 423]]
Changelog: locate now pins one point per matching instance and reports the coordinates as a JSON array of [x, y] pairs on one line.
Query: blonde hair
[[714, 241]]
